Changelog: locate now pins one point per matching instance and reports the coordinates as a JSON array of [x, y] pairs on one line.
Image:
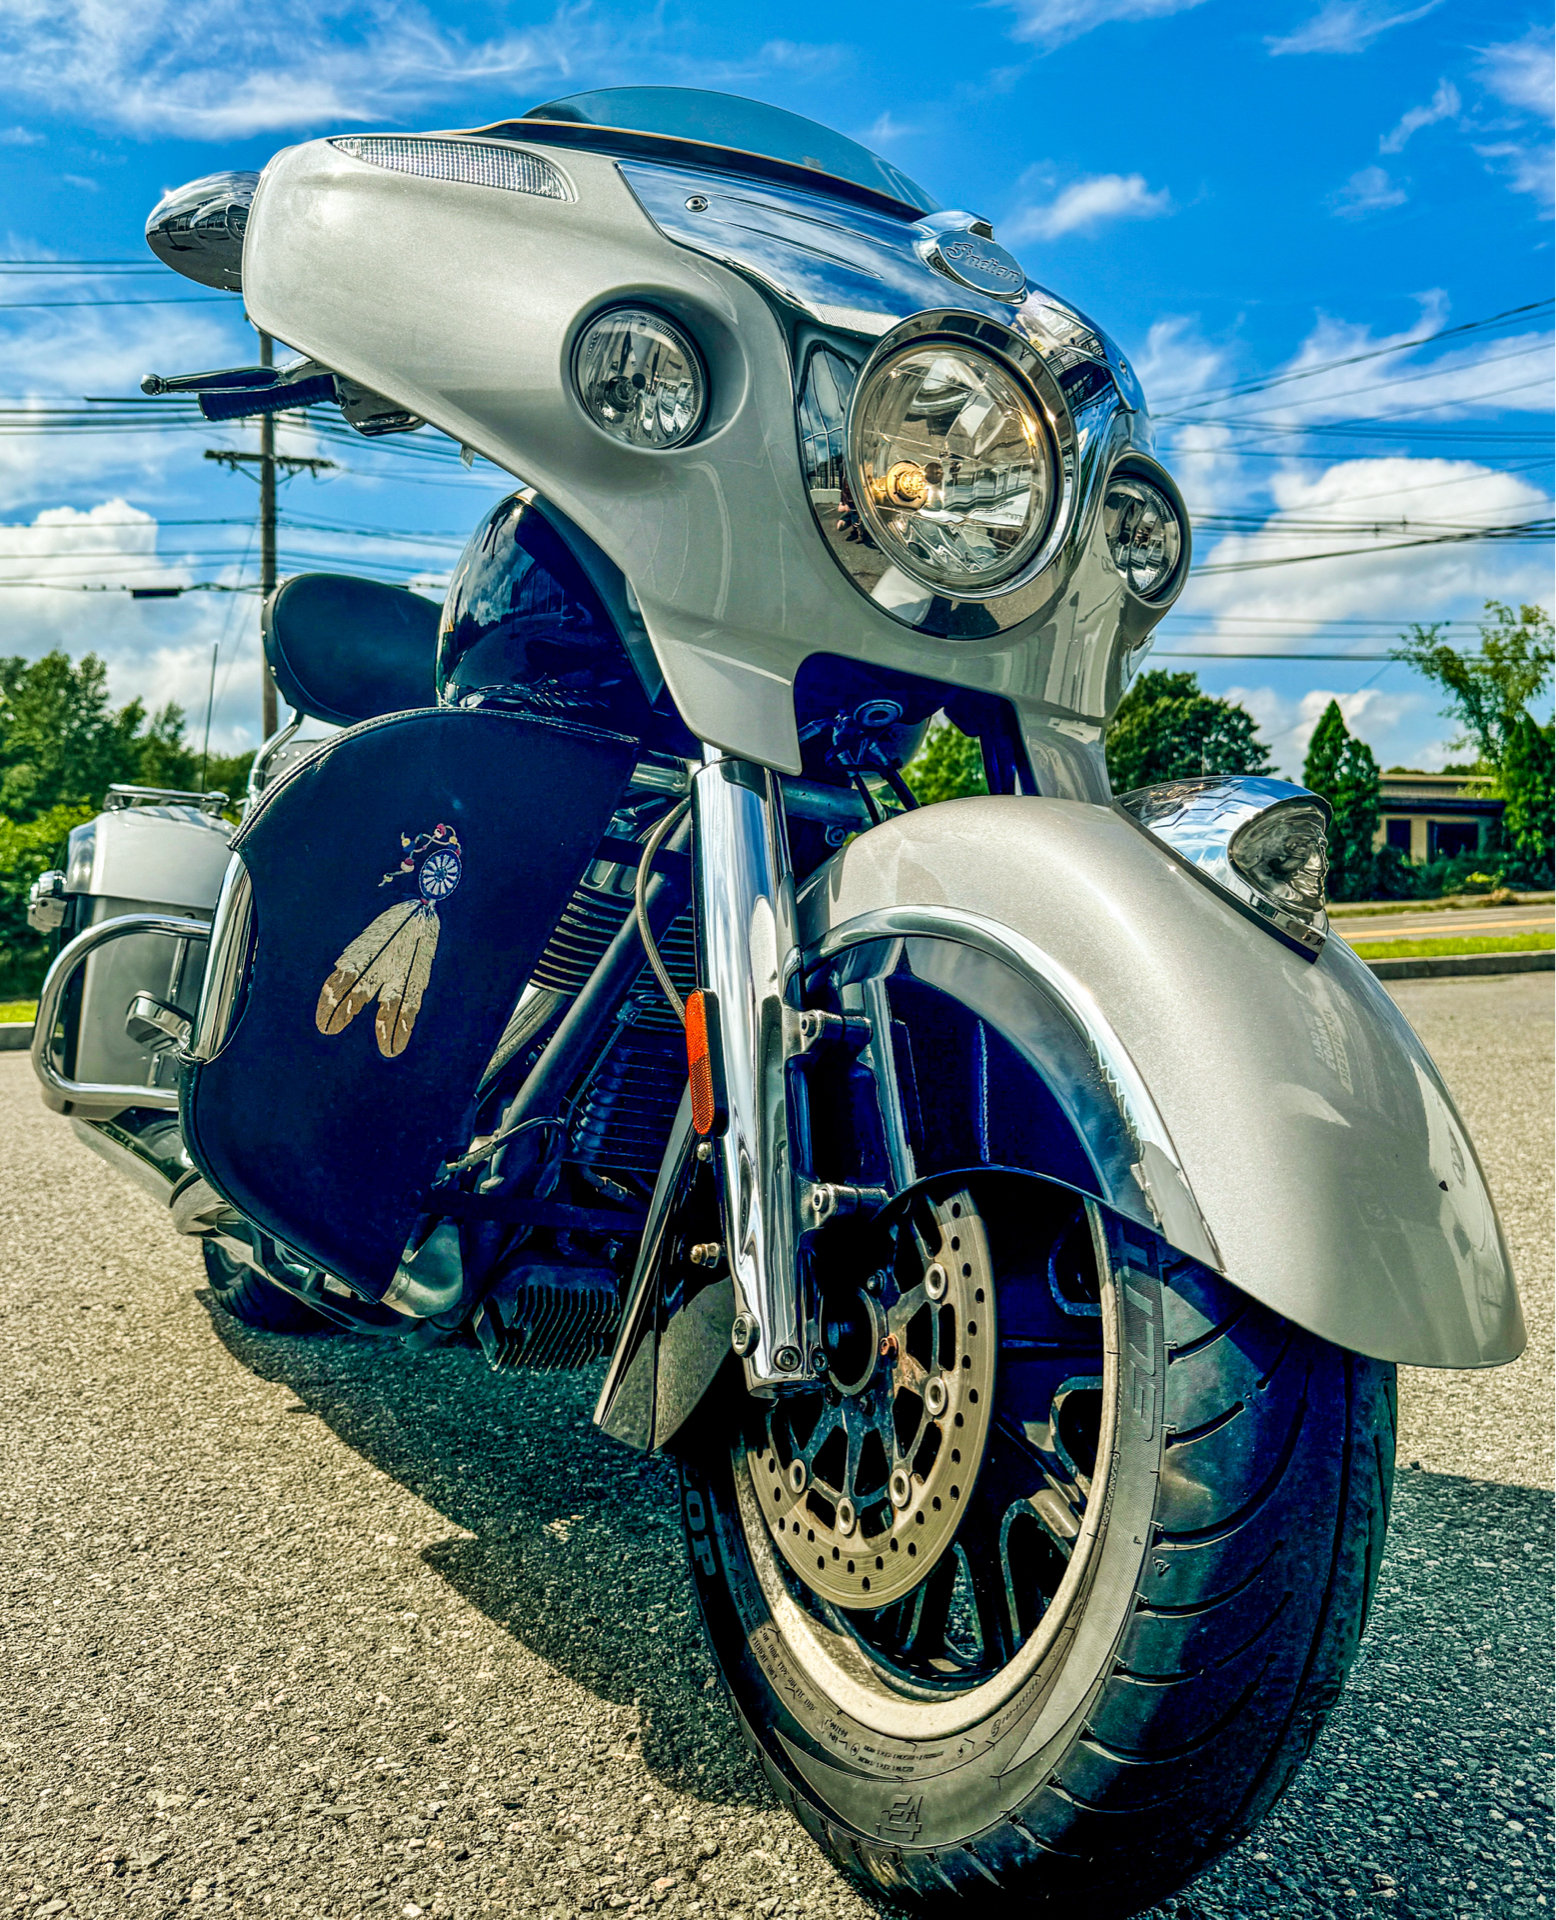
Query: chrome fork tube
[[747, 946]]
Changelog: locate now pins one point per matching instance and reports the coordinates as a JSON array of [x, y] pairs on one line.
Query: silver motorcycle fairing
[[461, 302], [1273, 1116]]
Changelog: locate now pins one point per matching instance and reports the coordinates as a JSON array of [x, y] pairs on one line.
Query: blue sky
[[1236, 190]]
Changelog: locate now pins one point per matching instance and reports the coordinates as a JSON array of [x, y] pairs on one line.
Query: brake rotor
[[863, 1482]]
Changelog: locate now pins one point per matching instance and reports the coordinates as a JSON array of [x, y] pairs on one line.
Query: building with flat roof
[[1430, 816]]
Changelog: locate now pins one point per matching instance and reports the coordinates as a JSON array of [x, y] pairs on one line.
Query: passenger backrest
[[346, 650]]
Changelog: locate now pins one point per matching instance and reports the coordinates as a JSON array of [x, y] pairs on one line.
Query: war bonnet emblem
[[978, 263], [391, 959]]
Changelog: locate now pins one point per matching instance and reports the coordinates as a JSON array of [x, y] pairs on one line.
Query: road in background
[[1461, 923], [308, 1628]]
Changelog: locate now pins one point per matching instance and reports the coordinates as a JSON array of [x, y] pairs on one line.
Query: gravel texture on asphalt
[[312, 1628], [1492, 1039]]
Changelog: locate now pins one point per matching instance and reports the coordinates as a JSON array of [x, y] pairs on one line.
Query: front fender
[[1273, 1116]]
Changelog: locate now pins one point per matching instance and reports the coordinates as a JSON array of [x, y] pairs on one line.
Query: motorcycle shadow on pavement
[[1427, 1794], [577, 1550]]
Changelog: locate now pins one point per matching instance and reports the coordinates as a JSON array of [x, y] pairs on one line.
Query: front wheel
[[1051, 1584]]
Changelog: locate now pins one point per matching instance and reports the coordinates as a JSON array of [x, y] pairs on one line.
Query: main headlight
[[952, 466], [640, 378]]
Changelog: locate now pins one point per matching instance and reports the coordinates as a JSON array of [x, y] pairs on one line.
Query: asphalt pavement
[[305, 1628]]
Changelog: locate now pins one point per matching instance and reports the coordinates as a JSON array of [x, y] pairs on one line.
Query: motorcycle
[[1011, 1210]]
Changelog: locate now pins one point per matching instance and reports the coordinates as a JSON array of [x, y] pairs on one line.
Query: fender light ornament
[[1263, 843]]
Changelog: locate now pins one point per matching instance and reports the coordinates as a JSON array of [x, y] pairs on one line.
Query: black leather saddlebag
[[405, 880]]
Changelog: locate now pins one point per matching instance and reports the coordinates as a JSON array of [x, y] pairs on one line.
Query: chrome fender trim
[[1282, 1102], [1169, 1203]]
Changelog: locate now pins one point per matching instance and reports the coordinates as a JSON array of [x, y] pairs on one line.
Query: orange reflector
[[704, 1062]]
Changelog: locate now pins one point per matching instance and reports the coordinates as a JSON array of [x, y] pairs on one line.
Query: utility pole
[[267, 539], [268, 461]]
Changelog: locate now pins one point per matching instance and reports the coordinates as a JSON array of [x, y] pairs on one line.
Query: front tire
[[1166, 1690]]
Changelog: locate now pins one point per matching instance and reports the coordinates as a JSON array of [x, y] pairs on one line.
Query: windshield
[[739, 126]]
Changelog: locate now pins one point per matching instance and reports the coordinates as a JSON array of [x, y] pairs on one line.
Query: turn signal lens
[[1143, 534], [640, 378], [705, 1063]]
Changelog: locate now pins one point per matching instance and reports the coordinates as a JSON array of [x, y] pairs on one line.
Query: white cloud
[[1512, 373], [205, 70], [1052, 22], [20, 137], [1285, 607], [1175, 367], [886, 129], [155, 650], [55, 357], [1085, 204], [1370, 191], [1444, 106], [1527, 169], [1345, 26], [805, 58], [1522, 73], [1389, 722]]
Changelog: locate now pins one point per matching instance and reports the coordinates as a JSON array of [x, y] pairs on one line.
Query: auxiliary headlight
[[1265, 843], [952, 466], [640, 378], [1144, 534]]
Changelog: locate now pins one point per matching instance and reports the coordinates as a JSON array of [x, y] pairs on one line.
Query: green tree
[[163, 759], [1528, 773], [948, 766], [1487, 692], [26, 849], [1342, 769], [60, 742], [1168, 728]]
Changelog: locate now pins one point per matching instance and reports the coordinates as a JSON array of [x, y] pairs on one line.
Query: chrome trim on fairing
[[67, 961], [227, 963], [1157, 1170], [839, 264], [1199, 819], [747, 945]]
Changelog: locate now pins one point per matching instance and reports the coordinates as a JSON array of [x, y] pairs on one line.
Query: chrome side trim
[[66, 963], [225, 967], [1157, 1170], [747, 945]]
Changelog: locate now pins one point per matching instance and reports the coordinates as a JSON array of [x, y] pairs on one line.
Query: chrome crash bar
[[67, 963]]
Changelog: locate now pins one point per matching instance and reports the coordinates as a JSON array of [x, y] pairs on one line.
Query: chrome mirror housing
[[1264, 843], [198, 229]]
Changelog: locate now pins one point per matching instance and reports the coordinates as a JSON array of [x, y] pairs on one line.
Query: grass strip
[[1467, 943], [17, 1011]]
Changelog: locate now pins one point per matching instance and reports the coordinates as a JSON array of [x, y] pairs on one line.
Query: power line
[[1264, 383], [163, 300]]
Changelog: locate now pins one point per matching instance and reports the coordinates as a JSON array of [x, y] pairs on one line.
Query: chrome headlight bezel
[[1150, 473], [1202, 820], [1032, 553], [1022, 362], [824, 396]]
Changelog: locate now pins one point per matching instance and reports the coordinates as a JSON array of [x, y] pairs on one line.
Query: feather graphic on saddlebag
[[390, 961]]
